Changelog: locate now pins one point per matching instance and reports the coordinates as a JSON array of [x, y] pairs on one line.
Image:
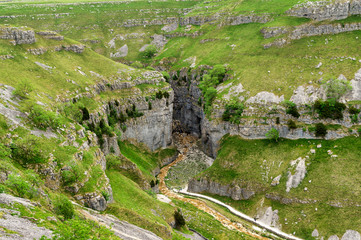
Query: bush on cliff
[[273, 134]]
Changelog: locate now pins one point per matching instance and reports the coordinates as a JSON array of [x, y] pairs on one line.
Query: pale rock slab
[[351, 235], [294, 180], [265, 97]]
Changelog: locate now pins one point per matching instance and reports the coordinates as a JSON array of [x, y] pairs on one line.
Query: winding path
[[187, 141]]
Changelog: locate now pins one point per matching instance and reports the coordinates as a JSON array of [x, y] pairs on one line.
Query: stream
[[190, 161]]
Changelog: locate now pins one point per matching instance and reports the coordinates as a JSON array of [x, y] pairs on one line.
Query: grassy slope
[[283, 69], [332, 180]]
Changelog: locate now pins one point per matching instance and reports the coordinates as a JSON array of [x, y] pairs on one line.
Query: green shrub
[[80, 229], [166, 76], [359, 132], [150, 68], [21, 187], [106, 195], [133, 112], [291, 108], [179, 219], [354, 118], [291, 124], [329, 109], [149, 52], [166, 94], [4, 151], [43, 118], [273, 134], [352, 110], [336, 88], [150, 105], [29, 149], [64, 207], [136, 64], [159, 95], [71, 174], [23, 89], [320, 130], [152, 183], [233, 112]]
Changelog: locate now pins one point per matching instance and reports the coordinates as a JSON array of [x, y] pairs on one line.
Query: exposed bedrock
[[18, 35], [235, 192], [322, 10]]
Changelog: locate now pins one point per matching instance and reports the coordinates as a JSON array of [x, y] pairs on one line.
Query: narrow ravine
[[184, 142]]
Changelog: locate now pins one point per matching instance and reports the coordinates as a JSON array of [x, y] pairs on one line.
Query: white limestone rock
[[315, 233], [121, 52], [270, 218], [276, 181], [265, 98], [170, 27], [333, 237], [351, 235], [294, 180]]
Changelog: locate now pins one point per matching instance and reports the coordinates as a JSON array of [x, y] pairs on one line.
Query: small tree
[[321, 130], [64, 207], [291, 124], [336, 88], [149, 51], [179, 219], [273, 134], [23, 88]]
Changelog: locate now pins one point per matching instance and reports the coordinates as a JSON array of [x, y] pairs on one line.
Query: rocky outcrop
[[50, 35], [270, 217], [15, 227], [121, 52], [18, 35], [300, 172], [326, 10], [154, 128], [93, 200], [351, 235], [221, 19], [265, 98], [234, 192], [306, 30]]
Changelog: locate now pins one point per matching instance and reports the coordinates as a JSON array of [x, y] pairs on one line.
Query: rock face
[[187, 112], [300, 172], [270, 217], [307, 94], [18, 35], [356, 88], [265, 98], [21, 228], [122, 52], [204, 185], [323, 10], [154, 128], [197, 20], [306, 30]]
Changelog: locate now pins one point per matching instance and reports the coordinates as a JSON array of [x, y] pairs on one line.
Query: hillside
[[255, 103]]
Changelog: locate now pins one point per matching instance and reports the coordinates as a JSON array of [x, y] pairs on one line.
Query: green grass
[[134, 205], [252, 163]]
